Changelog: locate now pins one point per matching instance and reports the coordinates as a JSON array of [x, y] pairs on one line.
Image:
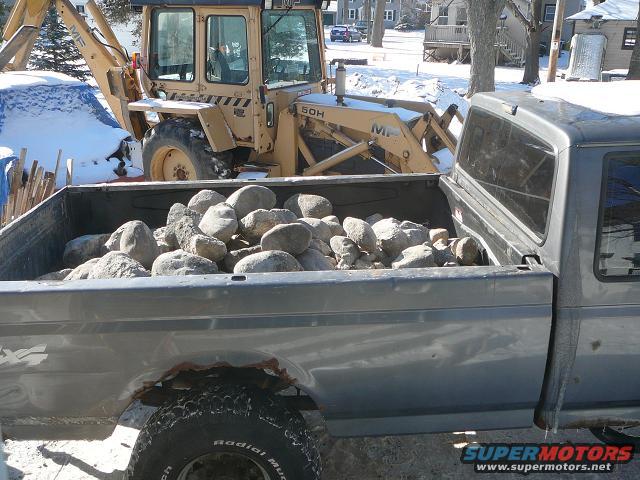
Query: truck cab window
[[618, 252], [171, 53], [513, 166], [290, 47], [227, 59]]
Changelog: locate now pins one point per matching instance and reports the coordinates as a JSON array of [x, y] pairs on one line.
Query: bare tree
[[634, 65], [378, 24], [532, 27], [482, 17], [344, 7]]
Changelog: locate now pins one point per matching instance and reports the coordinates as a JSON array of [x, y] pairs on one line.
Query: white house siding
[[615, 57]]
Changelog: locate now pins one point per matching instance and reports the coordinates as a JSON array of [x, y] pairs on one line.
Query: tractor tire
[[227, 432], [177, 149]]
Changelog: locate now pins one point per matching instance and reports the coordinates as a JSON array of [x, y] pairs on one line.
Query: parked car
[[361, 26], [346, 33]]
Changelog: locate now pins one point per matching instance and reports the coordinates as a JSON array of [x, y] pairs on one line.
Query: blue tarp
[[5, 166]]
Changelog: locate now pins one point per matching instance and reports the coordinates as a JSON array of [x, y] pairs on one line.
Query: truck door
[[225, 76], [172, 51], [604, 382]]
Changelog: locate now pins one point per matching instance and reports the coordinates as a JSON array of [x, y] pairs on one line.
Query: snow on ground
[[616, 98], [45, 111]]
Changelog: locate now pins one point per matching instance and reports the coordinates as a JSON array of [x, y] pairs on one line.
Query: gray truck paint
[[380, 352]]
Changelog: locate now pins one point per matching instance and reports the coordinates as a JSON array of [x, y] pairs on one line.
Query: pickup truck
[[544, 332]]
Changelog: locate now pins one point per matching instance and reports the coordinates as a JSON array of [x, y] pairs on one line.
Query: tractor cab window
[[291, 52], [227, 59], [171, 53]]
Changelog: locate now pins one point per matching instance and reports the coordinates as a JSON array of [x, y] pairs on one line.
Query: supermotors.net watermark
[[528, 458]]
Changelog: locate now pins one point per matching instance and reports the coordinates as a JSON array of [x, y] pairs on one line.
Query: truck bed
[[379, 352]]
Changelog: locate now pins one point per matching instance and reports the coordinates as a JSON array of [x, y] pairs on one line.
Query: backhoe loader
[[229, 87]]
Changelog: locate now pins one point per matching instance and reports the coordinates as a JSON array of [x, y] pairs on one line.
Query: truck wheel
[[617, 435], [226, 432], [177, 149]]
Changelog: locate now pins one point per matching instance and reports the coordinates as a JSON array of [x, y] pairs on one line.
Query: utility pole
[[555, 41]]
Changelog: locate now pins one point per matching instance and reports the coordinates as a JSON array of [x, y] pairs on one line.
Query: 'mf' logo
[[384, 130], [29, 356], [75, 34]]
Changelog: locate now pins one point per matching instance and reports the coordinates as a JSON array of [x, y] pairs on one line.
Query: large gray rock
[[81, 272], [207, 247], [137, 241], [420, 256], [442, 254], [306, 205], [272, 261], [117, 265], [81, 249], [236, 243], [176, 212], [466, 250], [392, 240], [284, 215], [331, 218], [192, 240], [180, 262], [314, 261], [58, 275], [250, 198], [113, 243], [335, 227], [317, 227], [416, 233], [159, 234], [375, 218], [345, 249], [438, 234], [361, 233], [259, 222], [321, 247], [220, 222], [233, 257], [364, 263], [205, 199], [292, 238]]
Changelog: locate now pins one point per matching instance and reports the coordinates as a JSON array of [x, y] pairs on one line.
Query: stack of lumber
[[24, 195]]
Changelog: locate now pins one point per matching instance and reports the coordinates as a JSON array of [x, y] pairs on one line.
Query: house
[[329, 14], [616, 20], [447, 35], [356, 11]]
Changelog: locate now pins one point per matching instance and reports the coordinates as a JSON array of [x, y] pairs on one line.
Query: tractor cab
[[251, 58]]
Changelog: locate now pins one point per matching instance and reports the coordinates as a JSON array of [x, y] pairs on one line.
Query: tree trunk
[[634, 65], [344, 8], [378, 24], [482, 17], [532, 53]]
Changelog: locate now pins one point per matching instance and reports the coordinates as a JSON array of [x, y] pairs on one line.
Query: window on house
[[461, 16], [390, 15], [443, 15], [352, 14], [618, 253], [80, 9], [629, 38], [549, 12]]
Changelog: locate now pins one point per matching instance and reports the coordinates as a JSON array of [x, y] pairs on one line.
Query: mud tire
[[225, 419], [187, 137]]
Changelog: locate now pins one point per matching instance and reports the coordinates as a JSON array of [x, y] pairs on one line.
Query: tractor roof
[[236, 3]]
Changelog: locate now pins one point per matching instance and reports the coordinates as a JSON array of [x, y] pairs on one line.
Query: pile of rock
[[245, 233]]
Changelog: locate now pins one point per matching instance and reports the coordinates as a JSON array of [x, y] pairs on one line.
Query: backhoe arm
[[117, 81]]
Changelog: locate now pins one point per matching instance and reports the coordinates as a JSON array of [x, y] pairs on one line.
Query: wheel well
[[187, 377]]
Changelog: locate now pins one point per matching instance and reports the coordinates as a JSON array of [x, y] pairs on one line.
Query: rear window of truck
[[513, 166], [619, 227]]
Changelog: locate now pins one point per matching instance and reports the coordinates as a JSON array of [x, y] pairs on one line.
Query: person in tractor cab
[[218, 65]]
